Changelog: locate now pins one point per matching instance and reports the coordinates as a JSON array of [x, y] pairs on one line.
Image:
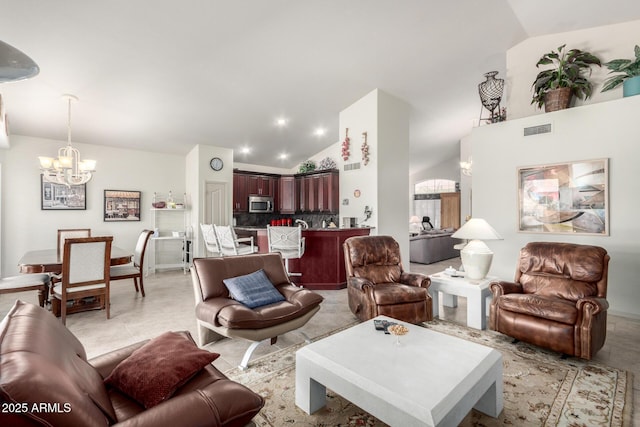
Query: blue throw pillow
[[253, 290]]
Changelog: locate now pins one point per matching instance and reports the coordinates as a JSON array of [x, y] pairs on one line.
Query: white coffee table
[[475, 291], [430, 379]]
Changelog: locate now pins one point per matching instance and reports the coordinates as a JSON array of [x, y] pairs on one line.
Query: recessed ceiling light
[[283, 156], [245, 150], [320, 131], [281, 122]]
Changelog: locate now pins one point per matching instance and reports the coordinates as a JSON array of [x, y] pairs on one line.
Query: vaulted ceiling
[[163, 75]]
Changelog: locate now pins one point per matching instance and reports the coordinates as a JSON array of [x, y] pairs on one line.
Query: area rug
[[540, 389]]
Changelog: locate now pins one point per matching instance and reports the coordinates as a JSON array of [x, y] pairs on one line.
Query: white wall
[[198, 174], [26, 227], [607, 43], [602, 130], [383, 183]]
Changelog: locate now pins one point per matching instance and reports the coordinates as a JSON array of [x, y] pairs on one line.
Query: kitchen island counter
[[322, 265]]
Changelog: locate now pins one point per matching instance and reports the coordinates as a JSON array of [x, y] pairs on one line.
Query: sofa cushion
[[138, 375], [233, 315], [253, 290], [397, 293], [545, 307]]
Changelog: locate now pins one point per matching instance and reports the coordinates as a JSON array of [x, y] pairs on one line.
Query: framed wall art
[[120, 205], [60, 197], [568, 197]]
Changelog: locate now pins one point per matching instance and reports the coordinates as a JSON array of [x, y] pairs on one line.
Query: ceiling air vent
[[352, 166], [537, 130]]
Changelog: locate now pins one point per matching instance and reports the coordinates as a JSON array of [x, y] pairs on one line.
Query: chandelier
[[67, 169]]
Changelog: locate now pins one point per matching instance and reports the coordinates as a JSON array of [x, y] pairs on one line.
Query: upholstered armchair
[[378, 285], [557, 300]]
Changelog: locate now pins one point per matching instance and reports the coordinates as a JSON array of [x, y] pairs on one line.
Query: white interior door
[[215, 211]]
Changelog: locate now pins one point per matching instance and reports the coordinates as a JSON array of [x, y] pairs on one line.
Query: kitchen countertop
[[257, 227]]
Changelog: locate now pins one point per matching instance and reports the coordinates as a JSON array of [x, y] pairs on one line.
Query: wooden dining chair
[[85, 272], [134, 270], [66, 233]]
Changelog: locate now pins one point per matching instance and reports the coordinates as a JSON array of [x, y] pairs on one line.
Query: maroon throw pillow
[[152, 373]]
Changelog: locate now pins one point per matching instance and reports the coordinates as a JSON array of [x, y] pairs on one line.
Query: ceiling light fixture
[[67, 169], [320, 131], [283, 156], [281, 122], [15, 65], [245, 150]]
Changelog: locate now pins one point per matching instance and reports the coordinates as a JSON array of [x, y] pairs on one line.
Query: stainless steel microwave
[[260, 204]]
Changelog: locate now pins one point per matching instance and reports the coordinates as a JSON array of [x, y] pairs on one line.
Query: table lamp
[[414, 225], [476, 255]]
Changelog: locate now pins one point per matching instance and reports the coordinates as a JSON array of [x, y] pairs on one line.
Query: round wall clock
[[216, 164]]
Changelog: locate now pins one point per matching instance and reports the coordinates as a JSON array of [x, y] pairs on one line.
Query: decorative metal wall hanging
[[345, 146], [490, 92], [365, 149]]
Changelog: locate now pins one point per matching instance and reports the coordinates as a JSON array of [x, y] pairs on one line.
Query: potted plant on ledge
[[630, 77], [555, 87]]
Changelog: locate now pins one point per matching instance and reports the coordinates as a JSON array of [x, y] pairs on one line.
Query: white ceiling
[[163, 75]]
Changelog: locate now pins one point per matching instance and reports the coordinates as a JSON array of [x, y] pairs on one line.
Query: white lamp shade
[[476, 229]]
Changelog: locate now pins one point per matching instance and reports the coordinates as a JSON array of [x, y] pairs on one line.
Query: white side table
[[477, 293]]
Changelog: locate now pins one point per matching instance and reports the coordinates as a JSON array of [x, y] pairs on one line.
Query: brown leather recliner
[[218, 315], [557, 300], [378, 285], [46, 380]]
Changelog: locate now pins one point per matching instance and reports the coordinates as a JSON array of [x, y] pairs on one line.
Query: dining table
[[50, 261]]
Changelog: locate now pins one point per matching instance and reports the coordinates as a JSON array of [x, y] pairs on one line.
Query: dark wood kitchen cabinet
[[319, 192], [262, 185], [288, 195], [240, 193]]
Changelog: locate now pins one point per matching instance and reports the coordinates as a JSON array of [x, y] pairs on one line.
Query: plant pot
[[631, 86], [557, 99]]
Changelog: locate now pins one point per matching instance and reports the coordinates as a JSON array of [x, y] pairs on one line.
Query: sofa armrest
[[592, 304], [502, 288], [224, 402], [359, 283], [415, 279]]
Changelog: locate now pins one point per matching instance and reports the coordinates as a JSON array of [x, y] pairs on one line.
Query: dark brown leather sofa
[[218, 315], [557, 300], [378, 285], [46, 380]]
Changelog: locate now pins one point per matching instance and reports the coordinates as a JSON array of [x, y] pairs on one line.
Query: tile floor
[[169, 306]]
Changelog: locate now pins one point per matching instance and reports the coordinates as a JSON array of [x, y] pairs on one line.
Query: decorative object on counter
[[327, 163], [476, 256], [345, 146], [490, 92], [365, 149], [356, 193], [630, 77], [67, 168], [307, 166], [555, 87], [367, 213], [121, 205]]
